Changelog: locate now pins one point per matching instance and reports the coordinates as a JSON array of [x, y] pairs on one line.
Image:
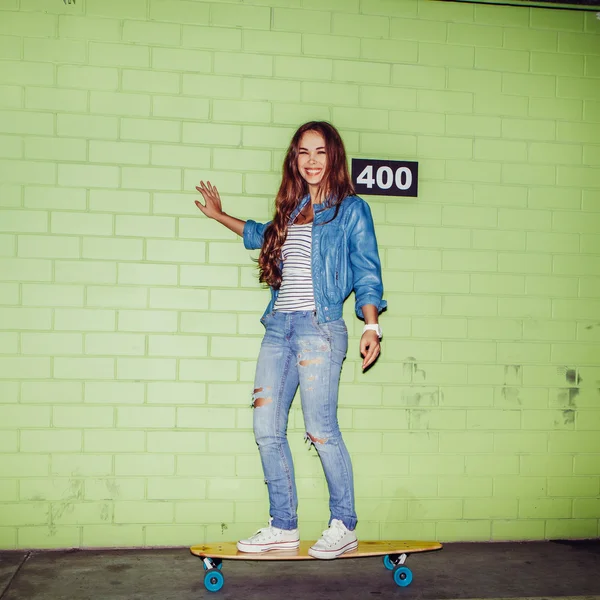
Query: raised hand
[[212, 201]]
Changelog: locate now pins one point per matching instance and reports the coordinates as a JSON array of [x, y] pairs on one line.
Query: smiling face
[[312, 160]]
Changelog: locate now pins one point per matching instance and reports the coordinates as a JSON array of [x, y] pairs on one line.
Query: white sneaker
[[334, 542], [270, 538]]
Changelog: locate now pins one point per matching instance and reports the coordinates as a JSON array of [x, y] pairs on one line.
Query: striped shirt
[[296, 291]]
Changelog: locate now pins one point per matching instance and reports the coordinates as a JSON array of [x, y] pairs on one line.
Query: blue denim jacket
[[344, 257]]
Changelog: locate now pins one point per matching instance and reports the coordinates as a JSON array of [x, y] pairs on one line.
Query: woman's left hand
[[369, 348]]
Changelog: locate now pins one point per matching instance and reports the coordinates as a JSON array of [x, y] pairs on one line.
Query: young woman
[[319, 247]]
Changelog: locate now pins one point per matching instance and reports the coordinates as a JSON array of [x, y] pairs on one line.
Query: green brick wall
[[129, 323]]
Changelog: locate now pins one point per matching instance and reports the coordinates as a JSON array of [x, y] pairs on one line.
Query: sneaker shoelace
[[333, 535]]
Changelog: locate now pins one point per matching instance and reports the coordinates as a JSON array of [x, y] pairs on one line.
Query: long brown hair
[[334, 187]]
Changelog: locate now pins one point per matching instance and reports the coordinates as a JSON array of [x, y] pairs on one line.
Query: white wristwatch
[[374, 327]]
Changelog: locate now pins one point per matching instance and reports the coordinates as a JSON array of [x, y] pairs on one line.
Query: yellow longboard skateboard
[[394, 555]]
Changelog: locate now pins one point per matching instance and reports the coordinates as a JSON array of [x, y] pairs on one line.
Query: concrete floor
[[499, 570]]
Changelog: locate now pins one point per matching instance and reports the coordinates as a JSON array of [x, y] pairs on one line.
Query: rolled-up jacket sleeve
[[254, 234], [364, 260]]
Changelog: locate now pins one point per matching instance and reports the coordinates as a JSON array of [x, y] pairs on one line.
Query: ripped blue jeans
[[296, 350]]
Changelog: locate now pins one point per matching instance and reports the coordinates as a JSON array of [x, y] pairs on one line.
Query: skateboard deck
[[394, 554]]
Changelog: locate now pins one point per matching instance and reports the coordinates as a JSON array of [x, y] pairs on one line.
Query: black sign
[[372, 177]]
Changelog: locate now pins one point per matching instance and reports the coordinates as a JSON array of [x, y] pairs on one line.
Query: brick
[[530, 39], [524, 263], [190, 108], [207, 370], [473, 171], [591, 156], [87, 175], [245, 64], [55, 440], [9, 343], [11, 96], [22, 417], [418, 29], [209, 276], [53, 392], [119, 152], [468, 80], [499, 240], [84, 320], [24, 221], [145, 226], [110, 392], [237, 347], [224, 300], [492, 464], [51, 295], [169, 488], [89, 78], [539, 241], [419, 76], [55, 149], [549, 330], [114, 344], [444, 101], [247, 17], [84, 368], [150, 81], [524, 219], [60, 198], [146, 417], [470, 306], [116, 103], [468, 351], [494, 329], [181, 60], [220, 86], [147, 320], [179, 11], [215, 38], [54, 51], [84, 272], [348, 71], [22, 171], [182, 442], [40, 537], [555, 153], [11, 147], [577, 43], [26, 122], [89, 28], [23, 73], [178, 299], [440, 283], [14, 465], [501, 60], [22, 514], [547, 420], [394, 145], [360, 25], [265, 137], [442, 328], [264, 89], [555, 108], [417, 122], [205, 418], [288, 19], [216, 512], [150, 179], [246, 160], [202, 322], [114, 488], [111, 440], [292, 114], [524, 307], [8, 245], [386, 50], [577, 132], [23, 269], [9, 293], [176, 346], [337, 46], [577, 87], [32, 25], [175, 251], [143, 512], [446, 55], [134, 9], [81, 223], [293, 67], [499, 104], [242, 111], [152, 33], [149, 130], [586, 176]]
